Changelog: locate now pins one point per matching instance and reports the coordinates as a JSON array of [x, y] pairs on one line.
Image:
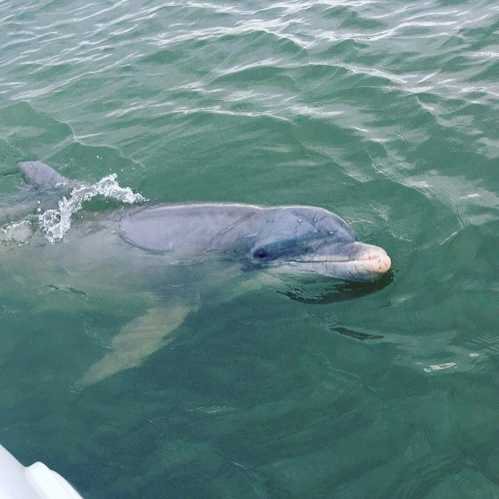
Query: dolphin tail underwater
[[42, 176], [43, 187], [157, 245]]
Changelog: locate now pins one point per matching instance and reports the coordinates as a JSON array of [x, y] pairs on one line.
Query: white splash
[[56, 222]]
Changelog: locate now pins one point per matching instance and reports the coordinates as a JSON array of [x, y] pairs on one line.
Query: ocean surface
[[385, 112]]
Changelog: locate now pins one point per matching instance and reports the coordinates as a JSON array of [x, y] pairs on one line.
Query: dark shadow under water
[[324, 291]]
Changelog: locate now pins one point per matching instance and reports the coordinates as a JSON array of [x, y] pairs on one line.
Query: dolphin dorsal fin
[[42, 176]]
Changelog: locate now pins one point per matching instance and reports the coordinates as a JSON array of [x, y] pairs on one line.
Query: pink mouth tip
[[385, 264], [379, 260]]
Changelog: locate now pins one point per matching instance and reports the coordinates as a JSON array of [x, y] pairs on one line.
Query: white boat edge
[[31, 482]]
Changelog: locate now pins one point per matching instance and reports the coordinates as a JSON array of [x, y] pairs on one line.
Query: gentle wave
[[385, 112]]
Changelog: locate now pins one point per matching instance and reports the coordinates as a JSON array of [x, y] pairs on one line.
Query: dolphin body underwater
[[173, 254]]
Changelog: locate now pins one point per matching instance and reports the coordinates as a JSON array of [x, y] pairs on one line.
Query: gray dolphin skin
[[291, 239], [155, 243]]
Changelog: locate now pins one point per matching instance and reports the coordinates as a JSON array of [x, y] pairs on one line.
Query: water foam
[[55, 223], [16, 232]]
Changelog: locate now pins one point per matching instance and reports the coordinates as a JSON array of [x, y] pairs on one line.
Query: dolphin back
[[42, 176]]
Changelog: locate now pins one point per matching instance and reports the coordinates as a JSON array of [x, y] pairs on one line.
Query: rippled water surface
[[384, 112]]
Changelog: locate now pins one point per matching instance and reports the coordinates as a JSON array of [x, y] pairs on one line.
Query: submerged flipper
[[42, 176], [138, 340]]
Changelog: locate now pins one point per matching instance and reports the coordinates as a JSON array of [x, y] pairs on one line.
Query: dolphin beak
[[357, 262], [373, 259]]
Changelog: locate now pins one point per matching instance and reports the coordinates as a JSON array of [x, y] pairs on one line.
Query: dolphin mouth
[[380, 264], [367, 264], [376, 262]]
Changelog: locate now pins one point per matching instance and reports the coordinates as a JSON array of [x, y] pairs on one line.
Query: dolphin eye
[[260, 253]]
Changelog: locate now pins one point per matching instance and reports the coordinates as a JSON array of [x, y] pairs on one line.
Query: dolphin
[[170, 251]]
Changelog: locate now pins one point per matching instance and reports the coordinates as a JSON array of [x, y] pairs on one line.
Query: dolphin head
[[309, 240]]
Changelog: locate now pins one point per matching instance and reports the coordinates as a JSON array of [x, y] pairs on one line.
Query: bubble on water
[[16, 232], [55, 223], [440, 367]]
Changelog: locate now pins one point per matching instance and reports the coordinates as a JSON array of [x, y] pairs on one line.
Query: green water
[[384, 112]]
